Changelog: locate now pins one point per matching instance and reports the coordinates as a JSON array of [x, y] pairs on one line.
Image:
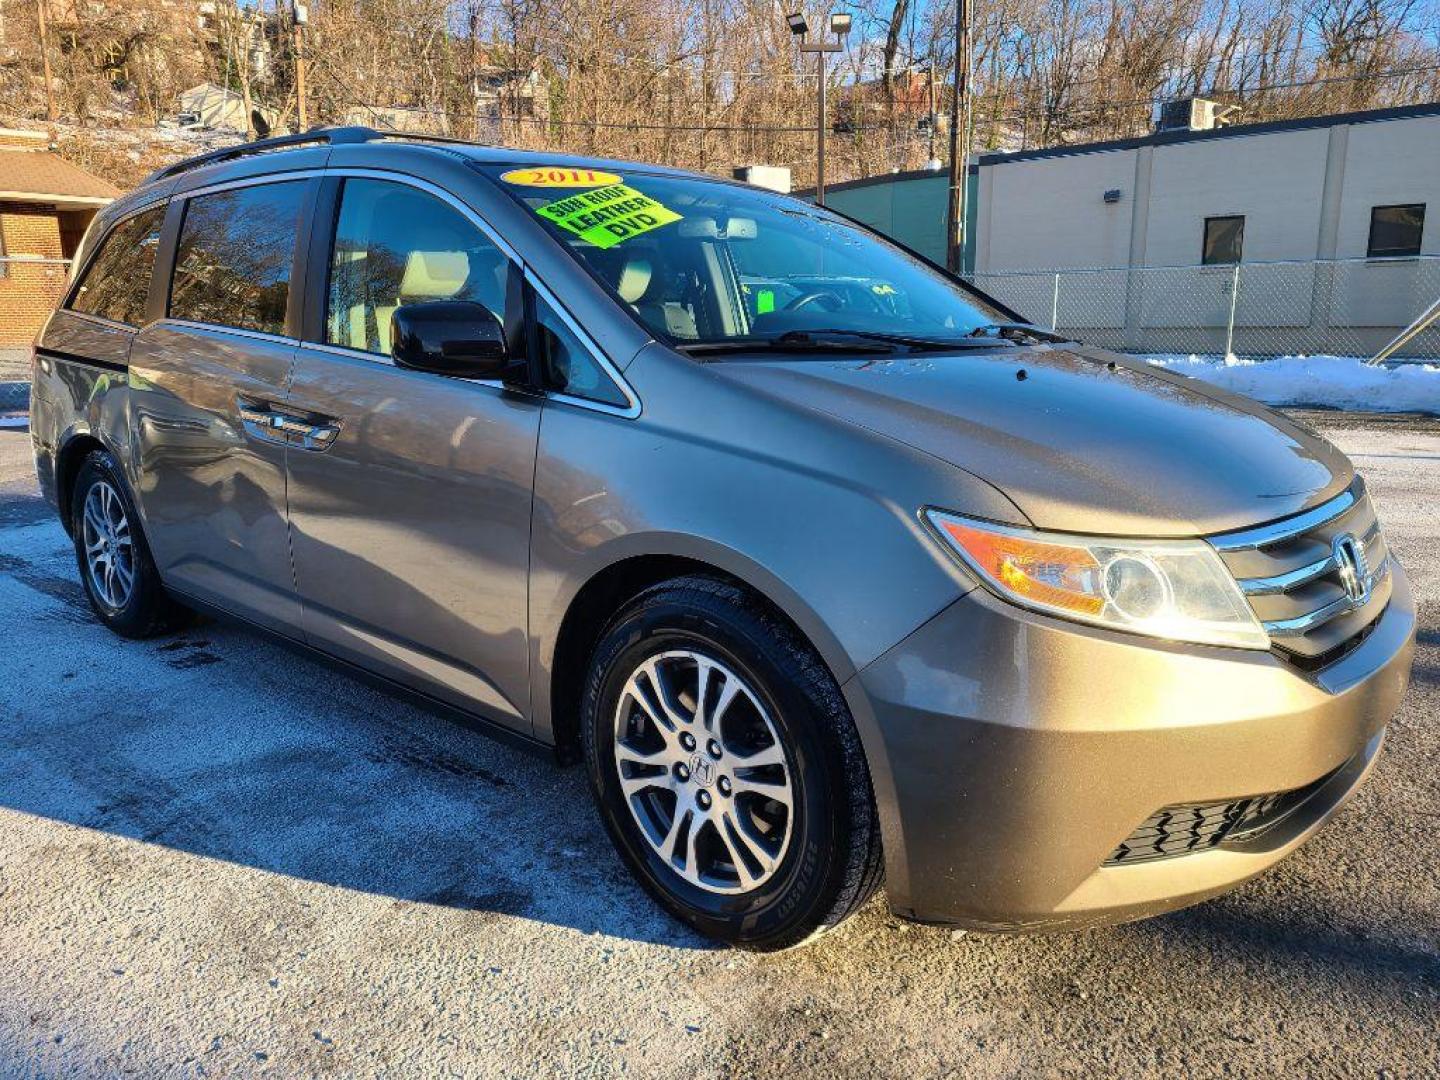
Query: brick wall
[[28, 290]]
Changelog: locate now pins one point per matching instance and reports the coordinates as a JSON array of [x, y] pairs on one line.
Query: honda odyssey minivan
[[830, 569]]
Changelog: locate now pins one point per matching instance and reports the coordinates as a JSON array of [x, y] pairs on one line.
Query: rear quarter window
[[233, 260], [117, 282]]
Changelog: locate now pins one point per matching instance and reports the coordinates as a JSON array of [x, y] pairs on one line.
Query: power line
[[893, 129], [376, 111], [1242, 93]]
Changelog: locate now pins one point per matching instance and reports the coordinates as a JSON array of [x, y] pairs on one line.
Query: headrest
[[435, 275], [634, 280]]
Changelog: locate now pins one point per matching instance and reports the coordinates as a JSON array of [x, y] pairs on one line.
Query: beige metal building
[[1325, 217]]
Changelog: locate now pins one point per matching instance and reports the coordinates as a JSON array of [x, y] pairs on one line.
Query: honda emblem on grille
[[1350, 561]]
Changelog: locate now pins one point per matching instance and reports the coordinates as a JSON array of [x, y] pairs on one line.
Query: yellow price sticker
[[559, 176], [609, 215]]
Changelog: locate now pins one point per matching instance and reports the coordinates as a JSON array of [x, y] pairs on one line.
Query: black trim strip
[[76, 358], [493, 728]]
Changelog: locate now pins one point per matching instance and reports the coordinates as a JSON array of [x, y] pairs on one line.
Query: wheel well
[[588, 615], [67, 468]]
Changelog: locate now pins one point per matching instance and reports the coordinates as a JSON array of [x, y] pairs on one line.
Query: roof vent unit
[[774, 177], [1194, 114]]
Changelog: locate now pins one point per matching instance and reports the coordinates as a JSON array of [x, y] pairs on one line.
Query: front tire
[[116, 569], [727, 768]]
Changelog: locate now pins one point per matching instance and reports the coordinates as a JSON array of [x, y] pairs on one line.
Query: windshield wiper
[[1019, 334], [911, 341], [833, 340]]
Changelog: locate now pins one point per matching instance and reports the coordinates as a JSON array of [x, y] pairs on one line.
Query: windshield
[[702, 262]]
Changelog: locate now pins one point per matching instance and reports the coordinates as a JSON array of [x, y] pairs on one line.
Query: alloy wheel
[[109, 545], [703, 771]]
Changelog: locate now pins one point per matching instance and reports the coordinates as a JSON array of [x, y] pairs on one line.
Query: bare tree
[[712, 83]]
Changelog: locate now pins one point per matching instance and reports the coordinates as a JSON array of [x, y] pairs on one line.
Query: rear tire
[[746, 810], [116, 569]]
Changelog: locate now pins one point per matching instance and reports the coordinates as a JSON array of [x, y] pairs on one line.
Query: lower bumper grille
[[1181, 830]]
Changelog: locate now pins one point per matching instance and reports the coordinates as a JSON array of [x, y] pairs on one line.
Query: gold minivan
[[830, 569]]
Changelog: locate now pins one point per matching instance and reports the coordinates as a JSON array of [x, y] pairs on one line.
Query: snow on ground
[[1337, 382], [221, 858]]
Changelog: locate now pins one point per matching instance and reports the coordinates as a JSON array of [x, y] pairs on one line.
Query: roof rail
[[332, 136]]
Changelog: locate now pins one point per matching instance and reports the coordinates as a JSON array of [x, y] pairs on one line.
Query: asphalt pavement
[[221, 858]]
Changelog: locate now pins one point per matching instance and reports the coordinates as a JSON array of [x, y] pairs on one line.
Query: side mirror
[[449, 337]]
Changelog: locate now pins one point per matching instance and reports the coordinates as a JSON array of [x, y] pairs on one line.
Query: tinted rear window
[[232, 265], [117, 281]]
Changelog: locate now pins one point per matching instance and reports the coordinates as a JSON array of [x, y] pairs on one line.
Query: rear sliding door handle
[[272, 425], [255, 415], [302, 433]]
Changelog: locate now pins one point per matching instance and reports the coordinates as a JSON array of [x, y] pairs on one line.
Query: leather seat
[[439, 263], [429, 275], [641, 288]]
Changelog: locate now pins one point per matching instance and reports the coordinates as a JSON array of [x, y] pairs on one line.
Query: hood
[[1080, 441]]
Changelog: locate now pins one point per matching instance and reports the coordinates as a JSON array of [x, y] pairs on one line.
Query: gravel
[[221, 858]]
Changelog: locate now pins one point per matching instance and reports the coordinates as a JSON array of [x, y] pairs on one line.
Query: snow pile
[[1336, 382]]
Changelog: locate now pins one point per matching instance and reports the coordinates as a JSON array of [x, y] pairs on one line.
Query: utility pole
[[839, 26], [50, 113], [302, 17], [959, 147], [930, 87]]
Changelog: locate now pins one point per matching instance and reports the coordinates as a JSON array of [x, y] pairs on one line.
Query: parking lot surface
[[220, 858]]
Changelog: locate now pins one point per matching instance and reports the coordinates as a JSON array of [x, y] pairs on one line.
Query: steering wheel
[[815, 296]]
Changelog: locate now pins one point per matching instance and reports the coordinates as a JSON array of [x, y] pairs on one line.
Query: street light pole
[[839, 26], [820, 129], [302, 19]]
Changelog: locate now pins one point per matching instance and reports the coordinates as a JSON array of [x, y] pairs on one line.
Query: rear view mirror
[[709, 228], [449, 337]]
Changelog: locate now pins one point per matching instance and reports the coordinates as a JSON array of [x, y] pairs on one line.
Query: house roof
[[1184, 135], [43, 177]]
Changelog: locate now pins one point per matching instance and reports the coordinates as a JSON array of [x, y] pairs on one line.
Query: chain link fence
[[34, 268], [26, 280], [1342, 307]]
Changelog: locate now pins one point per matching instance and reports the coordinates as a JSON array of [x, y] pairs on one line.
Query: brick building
[[45, 205]]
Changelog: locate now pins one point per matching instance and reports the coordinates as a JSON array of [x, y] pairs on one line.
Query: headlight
[[1176, 589]]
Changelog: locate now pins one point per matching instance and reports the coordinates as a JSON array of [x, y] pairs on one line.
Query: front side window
[[568, 365], [1224, 239], [232, 265], [1395, 231], [703, 262], [395, 246], [117, 281]]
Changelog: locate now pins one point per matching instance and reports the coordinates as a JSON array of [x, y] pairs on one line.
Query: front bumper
[[1012, 753]]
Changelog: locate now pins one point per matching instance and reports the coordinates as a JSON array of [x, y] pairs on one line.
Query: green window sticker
[[608, 215], [764, 301]]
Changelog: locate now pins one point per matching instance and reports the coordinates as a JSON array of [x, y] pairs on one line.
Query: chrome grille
[[1316, 581]]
